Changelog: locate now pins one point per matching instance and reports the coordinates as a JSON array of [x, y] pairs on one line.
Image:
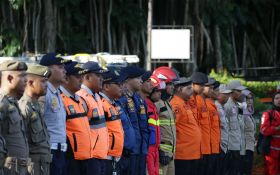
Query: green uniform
[[17, 161], [38, 137]]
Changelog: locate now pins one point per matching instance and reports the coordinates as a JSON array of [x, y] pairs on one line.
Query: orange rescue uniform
[[115, 129], [77, 128], [215, 126], [97, 122], [204, 123], [187, 131]]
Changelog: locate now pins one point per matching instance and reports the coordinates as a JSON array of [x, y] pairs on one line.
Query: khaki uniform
[[167, 134], [37, 134], [13, 131]]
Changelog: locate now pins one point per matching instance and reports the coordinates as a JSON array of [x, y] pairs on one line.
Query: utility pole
[[149, 30]]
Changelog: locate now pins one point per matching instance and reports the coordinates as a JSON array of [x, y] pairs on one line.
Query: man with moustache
[[37, 134], [133, 85], [79, 139], [110, 93], [188, 132], [54, 112], [12, 129], [92, 85]]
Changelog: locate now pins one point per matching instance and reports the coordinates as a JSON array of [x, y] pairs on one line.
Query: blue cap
[[93, 67], [146, 75], [53, 59], [74, 68], [112, 76], [133, 71]]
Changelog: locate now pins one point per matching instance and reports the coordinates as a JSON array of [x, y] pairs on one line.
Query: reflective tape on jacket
[[153, 121], [115, 129], [77, 128], [97, 122], [166, 122], [168, 148]]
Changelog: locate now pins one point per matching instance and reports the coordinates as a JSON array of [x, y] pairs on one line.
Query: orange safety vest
[[215, 126], [204, 122], [188, 133], [97, 123], [115, 129], [77, 127]]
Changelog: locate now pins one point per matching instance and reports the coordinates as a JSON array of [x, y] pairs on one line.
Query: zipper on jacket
[[75, 142], [96, 142], [113, 141]]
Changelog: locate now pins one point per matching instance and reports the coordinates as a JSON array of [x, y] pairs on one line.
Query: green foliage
[[16, 4], [11, 43], [259, 89]]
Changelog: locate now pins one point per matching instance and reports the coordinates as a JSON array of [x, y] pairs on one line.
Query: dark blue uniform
[[141, 108]]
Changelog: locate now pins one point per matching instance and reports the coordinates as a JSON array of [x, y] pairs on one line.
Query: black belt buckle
[[59, 146]]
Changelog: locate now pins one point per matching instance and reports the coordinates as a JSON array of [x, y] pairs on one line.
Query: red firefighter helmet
[[157, 83], [166, 74]]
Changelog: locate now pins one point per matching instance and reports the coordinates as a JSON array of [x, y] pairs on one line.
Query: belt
[[14, 163], [59, 146]]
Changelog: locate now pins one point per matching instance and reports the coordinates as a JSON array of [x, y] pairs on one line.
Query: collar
[[52, 88], [106, 98], [130, 94], [87, 89], [68, 94]]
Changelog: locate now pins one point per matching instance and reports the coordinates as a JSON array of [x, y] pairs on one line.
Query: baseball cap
[[223, 89], [39, 70], [183, 81], [211, 81], [112, 76], [74, 68], [133, 71], [53, 59], [93, 67], [236, 85], [199, 78]]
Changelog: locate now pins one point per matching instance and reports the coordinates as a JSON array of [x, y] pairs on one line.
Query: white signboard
[[170, 44]]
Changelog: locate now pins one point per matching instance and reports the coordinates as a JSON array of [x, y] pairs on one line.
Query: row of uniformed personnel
[[63, 118]]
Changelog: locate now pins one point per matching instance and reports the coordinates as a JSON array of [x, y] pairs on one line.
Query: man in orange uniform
[[215, 134], [112, 91], [77, 126], [198, 82], [187, 130], [92, 84]]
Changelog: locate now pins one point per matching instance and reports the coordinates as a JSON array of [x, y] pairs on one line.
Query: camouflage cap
[[39, 70], [12, 65]]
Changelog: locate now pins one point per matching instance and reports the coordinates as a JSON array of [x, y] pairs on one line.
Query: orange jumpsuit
[[215, 134], [187, 131], [204, 122]]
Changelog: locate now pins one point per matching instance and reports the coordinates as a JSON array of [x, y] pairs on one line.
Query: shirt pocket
[[14, 121], [37, 134]]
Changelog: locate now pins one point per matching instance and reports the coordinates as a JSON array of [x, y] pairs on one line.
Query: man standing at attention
[[54, 112], [37, 134]]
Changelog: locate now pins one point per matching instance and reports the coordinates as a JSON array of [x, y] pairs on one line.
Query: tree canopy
[[227, 33]]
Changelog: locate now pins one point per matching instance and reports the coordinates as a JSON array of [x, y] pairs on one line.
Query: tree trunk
[[149, 30], [218, 52], [109, 26], [101, 26], [37, 28], [91, 24], [25, 32], [234, 48], [96, 27], [50, 30], [244, 52], [186, 12]]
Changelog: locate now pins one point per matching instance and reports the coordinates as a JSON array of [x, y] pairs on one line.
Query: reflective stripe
[[276, 136], [101, 125], [166, 122], [153, 121], [168, 148], [275, 148]]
